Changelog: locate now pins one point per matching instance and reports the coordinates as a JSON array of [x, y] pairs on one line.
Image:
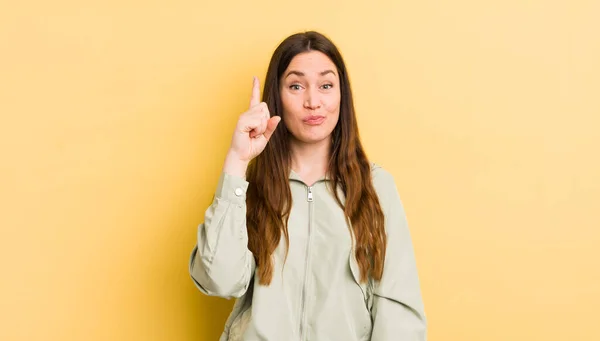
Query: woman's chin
[[314, 138]]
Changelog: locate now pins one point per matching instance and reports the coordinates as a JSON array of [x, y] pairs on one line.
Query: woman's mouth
[[314, 120]]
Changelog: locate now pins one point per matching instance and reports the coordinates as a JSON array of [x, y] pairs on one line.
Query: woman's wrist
[[234, 165]]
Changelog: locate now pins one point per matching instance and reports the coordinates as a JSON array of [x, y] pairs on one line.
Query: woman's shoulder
[[384, 182], [381, 176]]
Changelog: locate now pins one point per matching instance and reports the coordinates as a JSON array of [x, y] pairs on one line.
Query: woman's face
[[310, 93]]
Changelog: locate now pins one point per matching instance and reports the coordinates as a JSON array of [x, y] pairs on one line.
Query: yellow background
[[116, 117]]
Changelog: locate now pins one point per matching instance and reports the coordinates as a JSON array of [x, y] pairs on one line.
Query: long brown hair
[[269, 198]]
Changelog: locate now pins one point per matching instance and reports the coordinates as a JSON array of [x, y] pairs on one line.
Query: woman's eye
[[295, 87], [328, 86]]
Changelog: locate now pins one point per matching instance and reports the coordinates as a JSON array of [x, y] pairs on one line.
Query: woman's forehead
[[311, 63]]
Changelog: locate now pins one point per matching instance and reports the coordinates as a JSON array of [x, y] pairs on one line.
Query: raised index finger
[[255, 99]]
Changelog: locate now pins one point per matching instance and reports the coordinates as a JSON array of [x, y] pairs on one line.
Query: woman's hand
[[252, 133]]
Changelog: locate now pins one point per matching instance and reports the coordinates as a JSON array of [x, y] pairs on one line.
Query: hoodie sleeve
[[220, 263], [397, 311]]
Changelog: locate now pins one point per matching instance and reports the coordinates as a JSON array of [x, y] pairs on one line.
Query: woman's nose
[[312, 100]]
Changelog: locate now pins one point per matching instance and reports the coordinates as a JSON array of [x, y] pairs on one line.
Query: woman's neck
[[310, 160]]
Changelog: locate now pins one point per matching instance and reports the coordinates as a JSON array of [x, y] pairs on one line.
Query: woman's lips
[[314, 120]]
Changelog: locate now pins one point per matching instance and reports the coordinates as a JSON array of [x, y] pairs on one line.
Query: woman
[[307, 262]]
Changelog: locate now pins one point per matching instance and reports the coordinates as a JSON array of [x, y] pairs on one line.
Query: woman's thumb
[[271, 126]]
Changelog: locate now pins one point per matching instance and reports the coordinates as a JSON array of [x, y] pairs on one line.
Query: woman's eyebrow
[[301, 74], [293, 72]]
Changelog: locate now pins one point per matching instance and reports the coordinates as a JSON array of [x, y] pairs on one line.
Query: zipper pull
[[310, 195]]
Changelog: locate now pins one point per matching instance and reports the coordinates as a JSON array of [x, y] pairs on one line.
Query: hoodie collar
[[294, 176]]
